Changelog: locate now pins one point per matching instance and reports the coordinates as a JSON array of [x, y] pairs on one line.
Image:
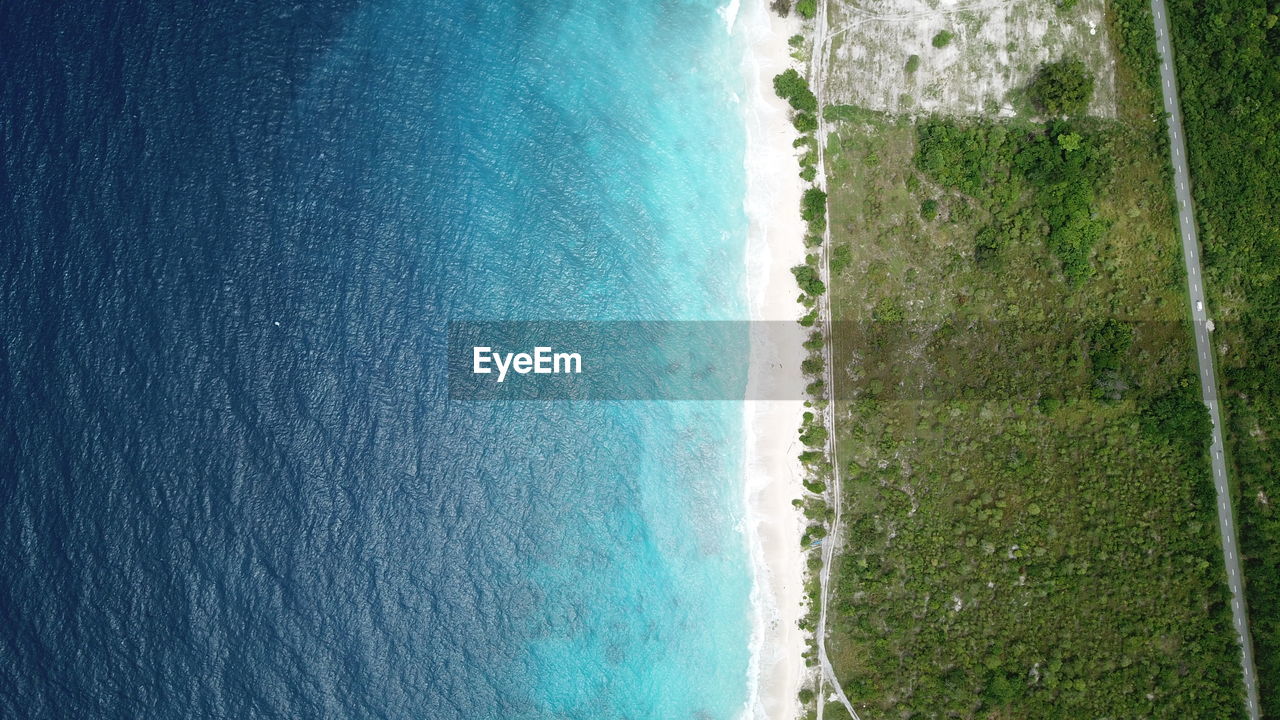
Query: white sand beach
[[774, 245]]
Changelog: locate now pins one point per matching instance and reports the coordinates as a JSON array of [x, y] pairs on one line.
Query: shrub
[[840, 259], [814, 436], [812, 456], [967, 158], [807, 8], [1069, 142], [808, 174], [1109, 340], [813, 208], [782, 7], [1180, 417], [913, 63], [812, 365], [805, 122], [986, 248], [795, 41], [817, 487], [943, 39], [793, 88], [808, 280], [888, 310], [1048, 404], [929, 210], [1061, 88]]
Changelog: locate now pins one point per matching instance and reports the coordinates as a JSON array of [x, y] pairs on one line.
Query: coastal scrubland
[[1029, 525], [1228, 56], [920, 56]]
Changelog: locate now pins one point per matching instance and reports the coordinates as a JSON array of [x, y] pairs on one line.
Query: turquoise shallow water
[[234, 480]]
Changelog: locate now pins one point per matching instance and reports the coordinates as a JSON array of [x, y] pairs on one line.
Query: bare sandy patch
[[997, 47]]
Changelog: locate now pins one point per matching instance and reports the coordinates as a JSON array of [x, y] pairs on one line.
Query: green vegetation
[[943, 38], [913, 63], [814, 436], [1178, 416], [808, 280], [813, 207], [807, 8], [799, 53], [1227, 54], [1062, 88], [929, 210], [851, 113], [1030, 490], [840, 259], [793, 88], [818, 513], [1037, 181]]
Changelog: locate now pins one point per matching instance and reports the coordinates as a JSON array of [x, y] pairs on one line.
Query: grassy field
[[1030, 527]]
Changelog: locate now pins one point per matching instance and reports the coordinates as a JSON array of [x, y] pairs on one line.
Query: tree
[[807, 279], [807, 8], [1108, 341], [793, 88], [813, 206], [1048, 404], [1179, 416], [1062, 88]]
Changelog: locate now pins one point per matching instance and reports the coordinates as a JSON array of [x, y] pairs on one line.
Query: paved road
[[1204, 351]]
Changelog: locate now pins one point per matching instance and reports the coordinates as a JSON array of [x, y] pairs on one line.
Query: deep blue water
[[232, 482]]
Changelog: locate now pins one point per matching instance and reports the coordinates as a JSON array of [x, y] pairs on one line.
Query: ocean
[[233, 480]]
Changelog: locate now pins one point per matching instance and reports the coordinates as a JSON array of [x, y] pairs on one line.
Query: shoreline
[[773, 475]]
